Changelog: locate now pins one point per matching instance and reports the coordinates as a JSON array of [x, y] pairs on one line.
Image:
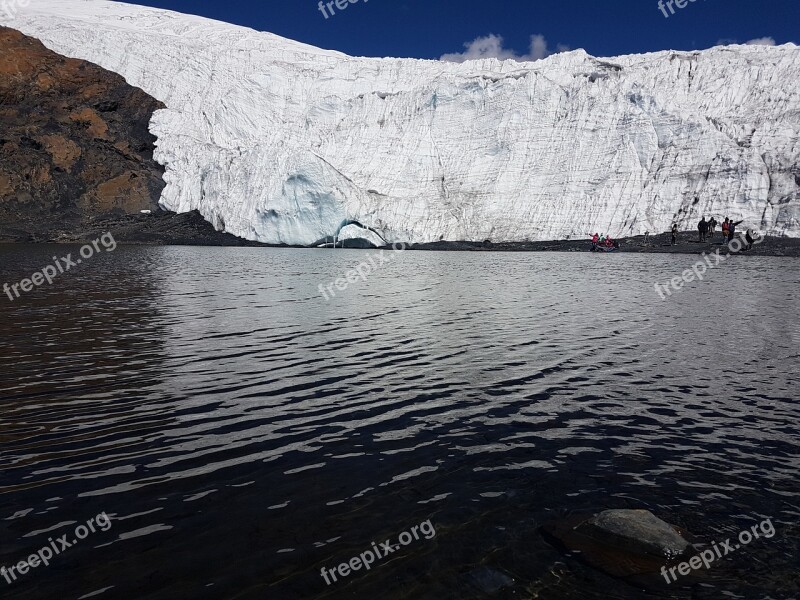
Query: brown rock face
[[74, 142]]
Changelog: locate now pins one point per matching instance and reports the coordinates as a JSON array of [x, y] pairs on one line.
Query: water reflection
[[243, 433]]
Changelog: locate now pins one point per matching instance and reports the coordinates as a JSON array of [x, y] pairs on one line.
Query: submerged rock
[[489, 580], [635, 531], [622, 543]]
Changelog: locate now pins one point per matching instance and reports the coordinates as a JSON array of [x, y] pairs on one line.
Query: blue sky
[[432, 28]]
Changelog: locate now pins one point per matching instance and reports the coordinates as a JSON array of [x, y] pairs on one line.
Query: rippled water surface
[[242, 433]]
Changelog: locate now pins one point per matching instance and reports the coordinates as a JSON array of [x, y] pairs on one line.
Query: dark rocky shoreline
[[163, 228], [160, 228], [656, 244]]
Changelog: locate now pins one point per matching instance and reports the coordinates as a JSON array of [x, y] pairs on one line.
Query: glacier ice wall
[[278, 141]]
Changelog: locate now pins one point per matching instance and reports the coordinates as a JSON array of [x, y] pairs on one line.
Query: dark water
[[242, 433]]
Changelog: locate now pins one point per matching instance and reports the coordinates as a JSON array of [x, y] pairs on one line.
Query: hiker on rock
[[674, 233], [725, 229], [712, 225]]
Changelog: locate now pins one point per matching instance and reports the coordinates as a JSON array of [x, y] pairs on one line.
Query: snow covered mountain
[[277, 141]]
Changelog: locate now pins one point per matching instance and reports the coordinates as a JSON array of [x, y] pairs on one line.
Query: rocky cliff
[[74, 142]]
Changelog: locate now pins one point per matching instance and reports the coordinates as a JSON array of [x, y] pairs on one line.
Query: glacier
[[280, 142]]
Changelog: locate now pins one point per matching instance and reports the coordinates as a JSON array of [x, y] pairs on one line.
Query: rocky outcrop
[[74, 142], [638, 531], [158, 229], [624, 543]]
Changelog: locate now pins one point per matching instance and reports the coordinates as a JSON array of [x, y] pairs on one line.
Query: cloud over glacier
[[491, 46], [765, 41]]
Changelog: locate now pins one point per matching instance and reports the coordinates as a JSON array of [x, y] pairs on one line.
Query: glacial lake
[[241, 432]]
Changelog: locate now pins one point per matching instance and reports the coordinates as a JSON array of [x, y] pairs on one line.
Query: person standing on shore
[[702, 229], [732, 229], [725, 229], [674, 233], [712, 225]]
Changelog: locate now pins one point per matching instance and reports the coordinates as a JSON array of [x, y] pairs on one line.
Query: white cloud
[[491, 46], [539, 48], [765, 41]]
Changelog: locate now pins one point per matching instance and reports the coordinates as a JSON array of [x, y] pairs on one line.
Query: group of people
[[706, 231], [706, 228], [603, 242], [729, 228]]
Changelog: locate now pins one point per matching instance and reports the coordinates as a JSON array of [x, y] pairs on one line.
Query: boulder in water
[[623, 543], [637, 531]]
